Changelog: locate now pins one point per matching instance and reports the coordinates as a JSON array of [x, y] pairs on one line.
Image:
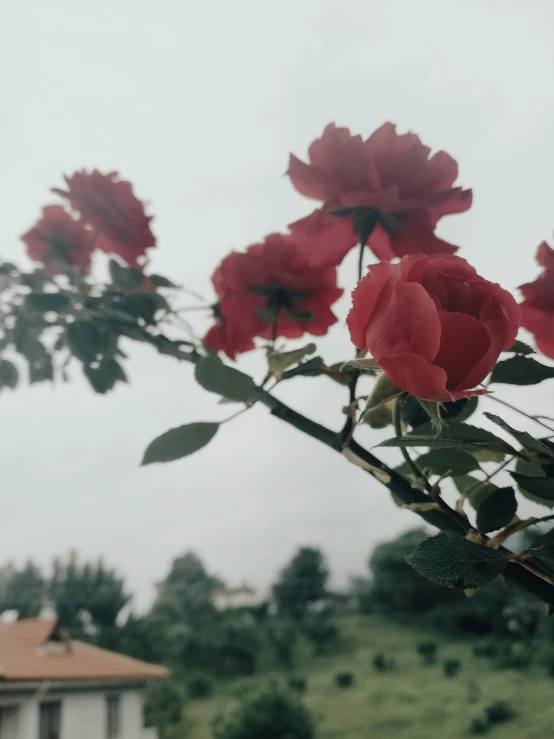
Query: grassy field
[[412, 701]]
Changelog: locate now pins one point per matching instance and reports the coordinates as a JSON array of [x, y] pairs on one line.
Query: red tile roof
[[23, 656]]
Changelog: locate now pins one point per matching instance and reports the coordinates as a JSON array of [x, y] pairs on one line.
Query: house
[[54, 688], [242, 597]]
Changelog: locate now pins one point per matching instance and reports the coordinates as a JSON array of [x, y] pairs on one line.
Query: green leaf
[[442, 461], [454, 562], [39, 360], [460, 436], [379, 417], [497, 510], [104, 377], [45, 302], [475, 490], [89, 342], [532, 470], [383, 392], [520, 370], [278, 362], [179, 442], [457, 410], [540, 487], [143, 305], [526, 440], [485, 455], [9, 376], [160, 281], [518, 347], [363, 365], [128, 278], [219, 378], [310, 368]]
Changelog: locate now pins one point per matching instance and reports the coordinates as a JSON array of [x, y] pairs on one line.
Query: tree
[[81, 591], [272, 714], [396, 587], [185, 595], [22, 590], [302, 582]]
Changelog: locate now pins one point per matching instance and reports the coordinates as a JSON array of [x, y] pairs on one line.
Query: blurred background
[[199, 105]]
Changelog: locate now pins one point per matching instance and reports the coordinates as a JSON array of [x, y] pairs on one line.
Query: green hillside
[[409, 701]]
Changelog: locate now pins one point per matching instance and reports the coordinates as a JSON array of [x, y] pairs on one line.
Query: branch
[[397, 484], [402, 489]]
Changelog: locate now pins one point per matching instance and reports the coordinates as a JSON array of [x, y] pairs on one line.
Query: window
[[50, 720], [113, 723]]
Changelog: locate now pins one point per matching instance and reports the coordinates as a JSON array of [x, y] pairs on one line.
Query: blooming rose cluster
[[424, 314], [387, 192], [102, 213]]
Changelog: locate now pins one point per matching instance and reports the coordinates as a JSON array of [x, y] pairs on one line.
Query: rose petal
[[364, 298], [405, 321], [412, 373]]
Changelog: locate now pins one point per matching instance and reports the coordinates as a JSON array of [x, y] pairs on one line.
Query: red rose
[[57, 238], [432, 324], [109, 205], [323, 239], [390, 188], [270, 290], [537, 310]]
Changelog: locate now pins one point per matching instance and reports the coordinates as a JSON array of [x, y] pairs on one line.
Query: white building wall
[[131, 714], [27, 719], [83, 716], [9, 723]]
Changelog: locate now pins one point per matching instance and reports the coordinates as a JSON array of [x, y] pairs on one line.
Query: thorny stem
[[488, 477], [533, 582], [397, 422]]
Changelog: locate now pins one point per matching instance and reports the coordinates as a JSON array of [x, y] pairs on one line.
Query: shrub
[[478, 726], [298, 684], [163, 706], [344, 679], [382, 663], [516, 656], [282, 639], [227, 648], [499, 712], [485, 649], [272, 714], [322, 632], [199, 686], [451, 667], [428, 651]]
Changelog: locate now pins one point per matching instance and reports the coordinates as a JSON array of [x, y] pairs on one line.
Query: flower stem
[[361, 261], [397, 421]]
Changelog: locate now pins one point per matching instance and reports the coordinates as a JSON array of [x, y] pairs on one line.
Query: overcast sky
[[199, 103]]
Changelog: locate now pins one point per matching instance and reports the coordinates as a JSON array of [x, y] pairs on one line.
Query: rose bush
[[433, 324], [435, 327], [388, 187]]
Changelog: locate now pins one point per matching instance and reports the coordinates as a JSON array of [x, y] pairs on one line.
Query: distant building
[[242, 597], [54, 688]]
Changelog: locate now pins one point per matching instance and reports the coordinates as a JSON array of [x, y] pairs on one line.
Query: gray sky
[[199, 104]]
